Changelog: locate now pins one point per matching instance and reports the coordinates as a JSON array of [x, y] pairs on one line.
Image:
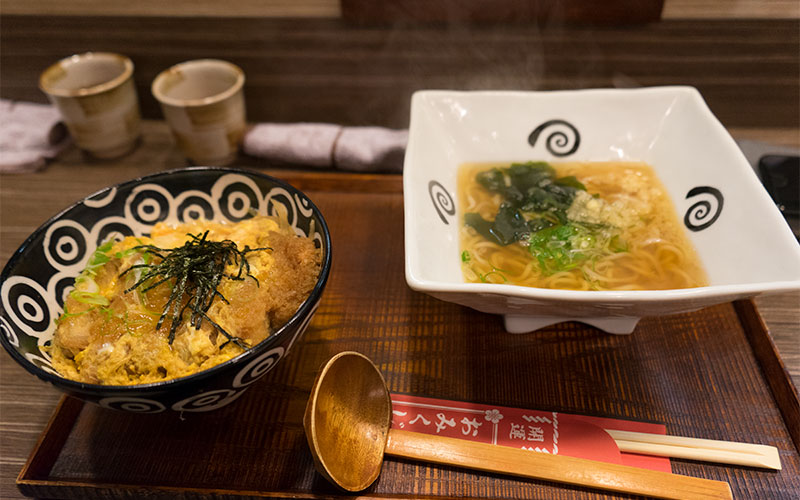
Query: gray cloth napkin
[[361, 149], [30, 134]]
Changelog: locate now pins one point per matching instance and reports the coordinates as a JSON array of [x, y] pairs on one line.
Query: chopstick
[[707, 450]]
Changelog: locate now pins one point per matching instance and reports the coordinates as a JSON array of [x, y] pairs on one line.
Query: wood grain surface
[[673, 9], [730, 9], [180, 8], [327, 70], [571, 12], [697, 373]]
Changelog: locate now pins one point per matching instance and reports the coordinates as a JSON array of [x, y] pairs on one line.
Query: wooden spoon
[[348, 419]]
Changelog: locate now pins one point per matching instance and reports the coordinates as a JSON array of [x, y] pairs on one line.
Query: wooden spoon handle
[[557, 468]]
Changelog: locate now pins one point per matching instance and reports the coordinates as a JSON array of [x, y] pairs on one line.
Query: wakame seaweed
[[534, 199]]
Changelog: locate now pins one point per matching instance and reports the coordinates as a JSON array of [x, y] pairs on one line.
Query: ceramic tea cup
[[95, 94], [203, 104]]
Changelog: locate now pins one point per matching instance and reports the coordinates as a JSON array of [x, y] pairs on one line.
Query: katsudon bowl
[[41, 273], [740, 237]]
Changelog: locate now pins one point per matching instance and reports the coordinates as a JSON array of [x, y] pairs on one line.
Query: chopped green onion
[[66, 314], [93, 298], [496, 272]]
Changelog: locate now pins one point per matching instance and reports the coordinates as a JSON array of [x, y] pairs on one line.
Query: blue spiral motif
[[8, 331], [258, 367], [195, 207], [237, 200], [704, 211], [208, 401], [29, 306], [558, 142], [135, 405], [101, 199], [43, 363], [442, 201], [303, 206], [149, 206], [280, 204], [116, 230], [66, 245], [63, 286]]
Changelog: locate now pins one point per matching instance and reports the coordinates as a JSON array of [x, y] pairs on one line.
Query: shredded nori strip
[[195, 271]]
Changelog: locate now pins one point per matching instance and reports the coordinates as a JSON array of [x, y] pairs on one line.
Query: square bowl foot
[[620, 325]]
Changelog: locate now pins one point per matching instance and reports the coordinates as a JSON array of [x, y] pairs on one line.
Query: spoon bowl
[[347, 421]]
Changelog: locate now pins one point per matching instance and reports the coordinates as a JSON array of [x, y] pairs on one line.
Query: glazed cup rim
[[158, 81], [127, 72]]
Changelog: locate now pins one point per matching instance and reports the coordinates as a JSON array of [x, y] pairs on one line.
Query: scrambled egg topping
[[109, 332]]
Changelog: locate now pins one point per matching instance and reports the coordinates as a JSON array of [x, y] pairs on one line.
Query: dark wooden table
[[324, 70]]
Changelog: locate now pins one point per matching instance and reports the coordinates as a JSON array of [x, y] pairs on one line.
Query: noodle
[[624, 212]]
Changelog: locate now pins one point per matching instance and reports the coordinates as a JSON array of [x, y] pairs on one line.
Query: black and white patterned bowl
[[40, 274]]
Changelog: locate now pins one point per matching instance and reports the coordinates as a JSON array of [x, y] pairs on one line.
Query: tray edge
[[777, 376]]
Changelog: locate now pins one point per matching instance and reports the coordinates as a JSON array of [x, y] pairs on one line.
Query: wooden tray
[[712, 374]]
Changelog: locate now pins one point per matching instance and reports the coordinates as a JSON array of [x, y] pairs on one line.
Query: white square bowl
[[743, 242]]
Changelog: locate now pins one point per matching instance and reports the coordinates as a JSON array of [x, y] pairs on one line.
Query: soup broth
[[575, 226]]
